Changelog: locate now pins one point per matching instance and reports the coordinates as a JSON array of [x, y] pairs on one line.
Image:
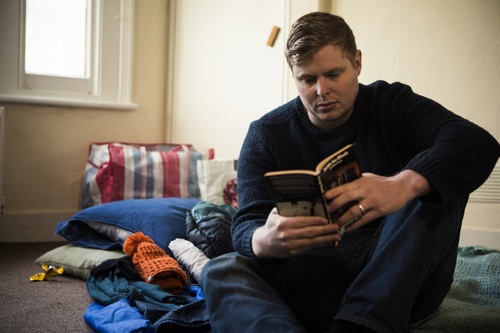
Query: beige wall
[[46, 147], [447, 49]]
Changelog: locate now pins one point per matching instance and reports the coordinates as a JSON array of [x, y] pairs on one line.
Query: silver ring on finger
[[362, 209]]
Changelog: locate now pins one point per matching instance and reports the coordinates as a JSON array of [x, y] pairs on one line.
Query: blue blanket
[[473, 302]]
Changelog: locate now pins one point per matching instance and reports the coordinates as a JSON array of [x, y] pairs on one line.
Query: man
[[395, 263]]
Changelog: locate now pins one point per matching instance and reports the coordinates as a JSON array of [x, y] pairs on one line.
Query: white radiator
[[490, 190], [2, 131]]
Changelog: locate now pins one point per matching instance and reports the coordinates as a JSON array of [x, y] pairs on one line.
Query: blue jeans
[[383, 276]]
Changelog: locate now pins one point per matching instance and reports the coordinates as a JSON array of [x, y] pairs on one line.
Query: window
[[55, 40], [67, 52]]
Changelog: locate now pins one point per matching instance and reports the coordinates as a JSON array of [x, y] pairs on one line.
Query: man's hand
[[374, 196], [282, 237]]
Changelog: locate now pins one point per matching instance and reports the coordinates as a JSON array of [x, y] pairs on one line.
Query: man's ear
[[358, 62]]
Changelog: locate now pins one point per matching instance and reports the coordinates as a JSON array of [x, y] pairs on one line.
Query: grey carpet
[[49, 306]]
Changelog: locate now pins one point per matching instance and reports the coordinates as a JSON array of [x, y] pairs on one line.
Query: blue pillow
[[162, 219]]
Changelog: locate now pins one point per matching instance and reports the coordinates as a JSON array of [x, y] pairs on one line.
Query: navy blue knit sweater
[[394, 129]]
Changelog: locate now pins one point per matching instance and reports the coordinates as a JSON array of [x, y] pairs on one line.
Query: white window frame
[[110, 83]]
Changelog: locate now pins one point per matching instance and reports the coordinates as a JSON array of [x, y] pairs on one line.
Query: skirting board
[[40, 227], [484, 237], [31, 227]]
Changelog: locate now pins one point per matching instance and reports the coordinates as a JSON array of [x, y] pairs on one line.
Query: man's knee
[[218, 268]]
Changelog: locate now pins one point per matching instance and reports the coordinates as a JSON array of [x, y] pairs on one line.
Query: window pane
[[56, 38]]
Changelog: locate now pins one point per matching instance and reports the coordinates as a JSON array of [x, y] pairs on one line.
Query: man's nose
[[322, 87]]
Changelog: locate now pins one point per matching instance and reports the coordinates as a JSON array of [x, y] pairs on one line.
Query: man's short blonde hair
[[315, 30]]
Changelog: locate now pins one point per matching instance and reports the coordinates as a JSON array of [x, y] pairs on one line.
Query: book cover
[[301, 192]]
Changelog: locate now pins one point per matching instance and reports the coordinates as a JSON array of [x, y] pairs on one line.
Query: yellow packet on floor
[[51, 272]]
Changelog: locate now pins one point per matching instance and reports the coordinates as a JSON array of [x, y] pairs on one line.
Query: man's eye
[[309, 80]]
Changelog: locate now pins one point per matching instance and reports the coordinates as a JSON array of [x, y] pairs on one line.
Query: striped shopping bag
[[118, 171]]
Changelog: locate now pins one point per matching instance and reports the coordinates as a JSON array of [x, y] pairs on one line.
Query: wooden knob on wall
[[272, 37]]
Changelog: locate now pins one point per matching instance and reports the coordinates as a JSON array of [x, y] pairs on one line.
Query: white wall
[[223, 73], [448, 50]]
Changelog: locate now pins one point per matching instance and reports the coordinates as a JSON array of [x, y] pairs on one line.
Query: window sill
[[68, 102]]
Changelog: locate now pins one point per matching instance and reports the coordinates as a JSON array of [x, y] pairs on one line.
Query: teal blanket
[[473, 302]]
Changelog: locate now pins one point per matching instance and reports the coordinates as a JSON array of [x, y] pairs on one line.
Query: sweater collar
[[347, 127]]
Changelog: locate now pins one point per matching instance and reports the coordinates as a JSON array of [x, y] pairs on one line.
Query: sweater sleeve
[[253, 197], [455, 155]]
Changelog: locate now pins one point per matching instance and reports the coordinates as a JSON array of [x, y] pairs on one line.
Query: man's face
[[328, 86]]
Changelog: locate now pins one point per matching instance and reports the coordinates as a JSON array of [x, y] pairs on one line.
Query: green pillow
[[77, 261]]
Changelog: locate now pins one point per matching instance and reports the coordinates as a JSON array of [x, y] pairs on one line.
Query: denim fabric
[[382, 276], [189, 318]]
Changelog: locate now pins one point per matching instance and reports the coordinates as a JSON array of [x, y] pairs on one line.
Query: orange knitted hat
[[153, 264]]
